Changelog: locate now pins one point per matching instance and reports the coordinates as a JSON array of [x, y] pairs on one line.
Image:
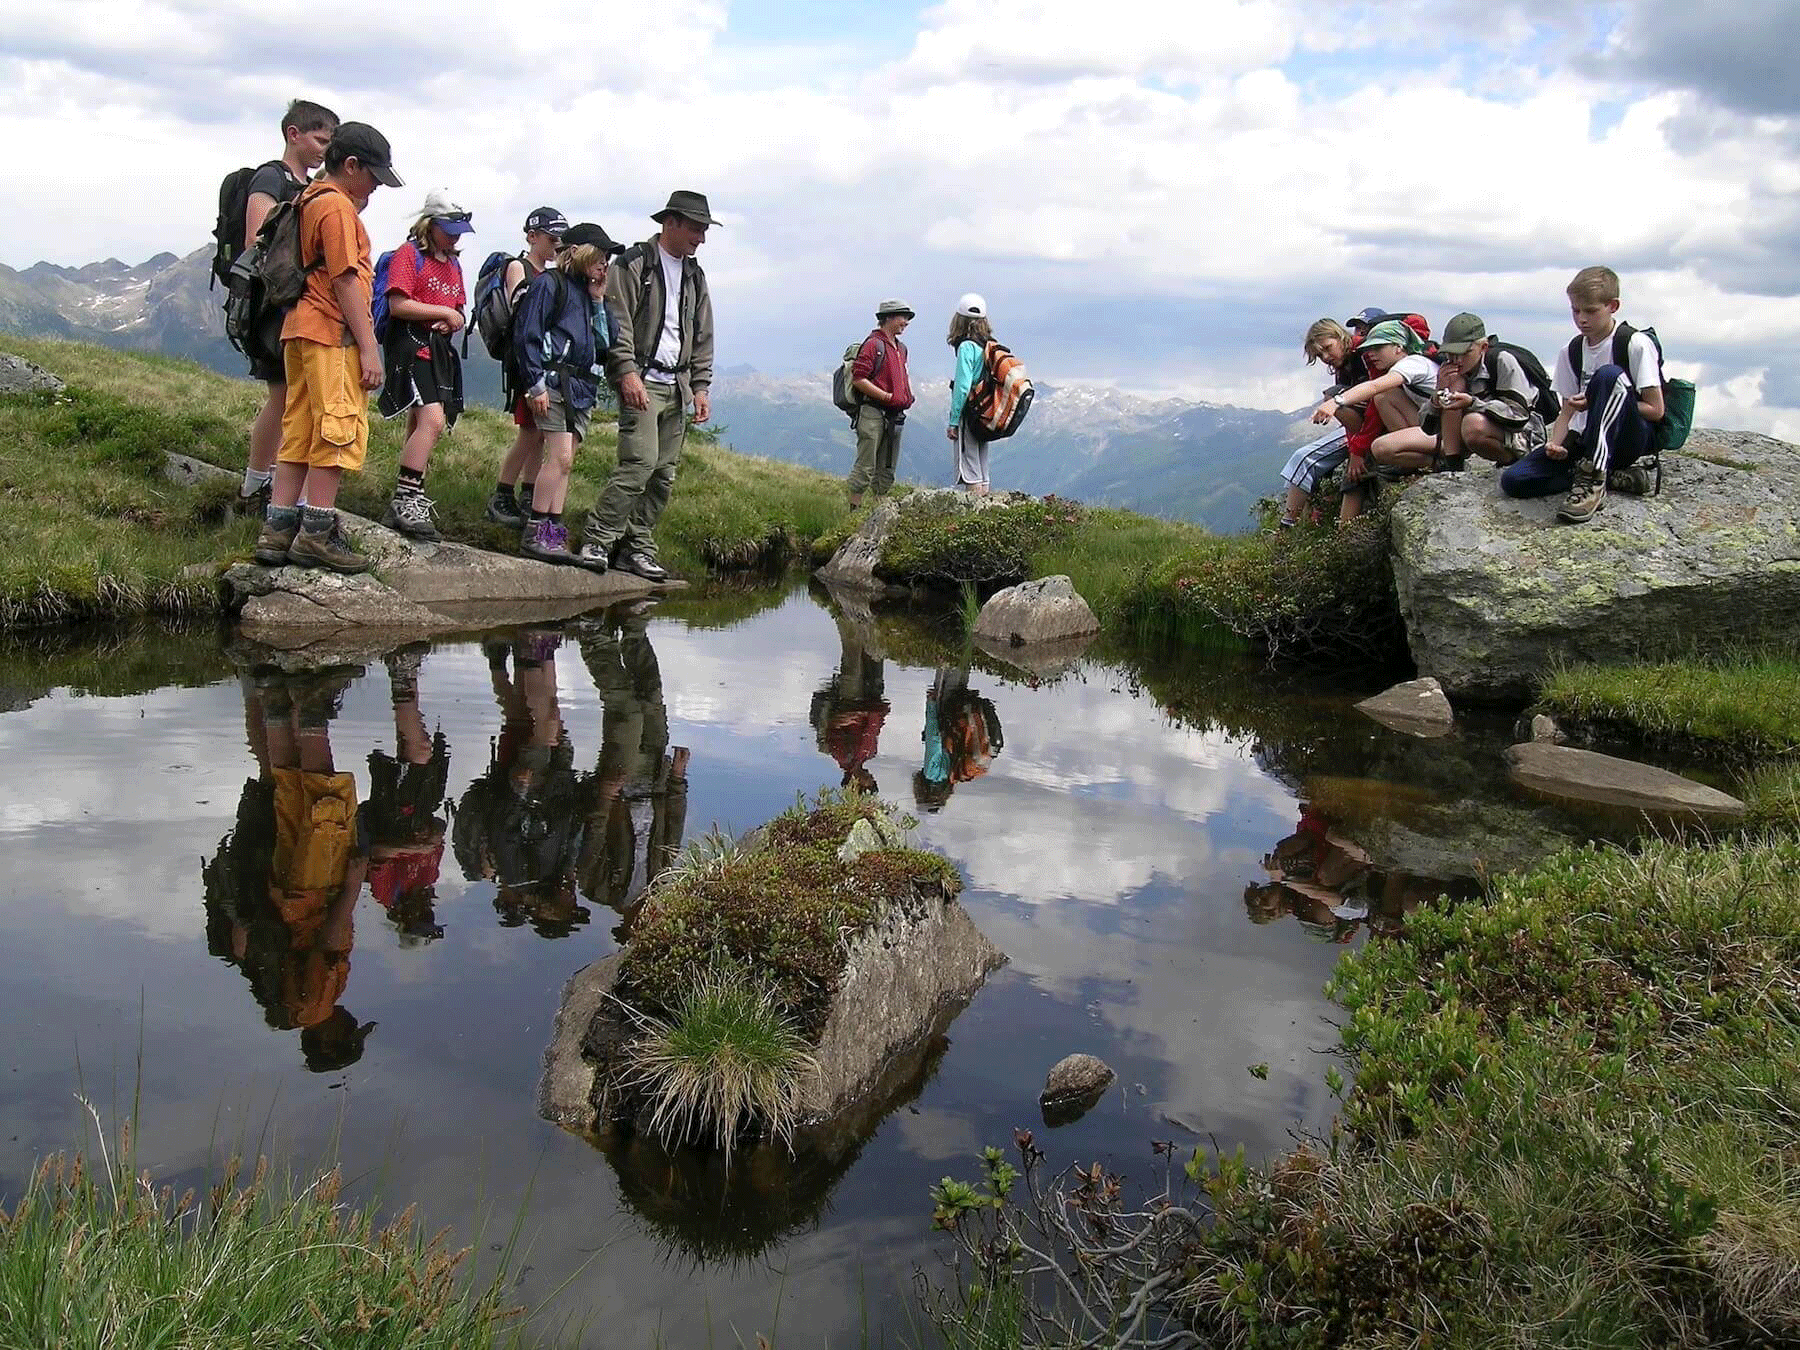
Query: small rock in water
[[1046, 610], [1590, 776], [1073, 1086], [1544, 729], [1417, 707]]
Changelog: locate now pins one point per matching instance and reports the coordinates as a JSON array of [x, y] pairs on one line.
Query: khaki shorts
[[556, 419], [326, 421]]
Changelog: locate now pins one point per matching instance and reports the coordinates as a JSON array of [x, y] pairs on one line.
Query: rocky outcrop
[[19, 376], [1045, 610], [1417, 707], [1588, 776], [1493, 590], [858, 558], [1073, 1087]]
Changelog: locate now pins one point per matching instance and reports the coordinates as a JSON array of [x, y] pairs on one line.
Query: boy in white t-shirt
[[1609, 412], [1402, 385]]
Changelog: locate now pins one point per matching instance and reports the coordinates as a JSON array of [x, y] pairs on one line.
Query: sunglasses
[[459, 217]]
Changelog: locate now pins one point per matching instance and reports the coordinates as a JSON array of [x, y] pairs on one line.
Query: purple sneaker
[[546, 541]]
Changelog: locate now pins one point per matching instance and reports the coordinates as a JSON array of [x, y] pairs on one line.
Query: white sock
[[254, 481]]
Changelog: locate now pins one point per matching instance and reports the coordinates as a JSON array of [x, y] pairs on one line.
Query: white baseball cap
[[444, 210], [972, 306]]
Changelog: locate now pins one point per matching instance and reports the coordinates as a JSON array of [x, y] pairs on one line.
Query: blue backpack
[[378, 305]]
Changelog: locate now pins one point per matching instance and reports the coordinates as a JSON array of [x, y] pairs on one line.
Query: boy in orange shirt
[[330, 356]]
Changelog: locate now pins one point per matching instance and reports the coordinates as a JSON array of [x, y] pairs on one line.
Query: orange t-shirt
[[330, 228]]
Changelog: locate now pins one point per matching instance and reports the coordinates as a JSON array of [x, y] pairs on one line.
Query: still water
[[1171, 855]]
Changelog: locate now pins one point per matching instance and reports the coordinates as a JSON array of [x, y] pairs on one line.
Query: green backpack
[[1678, 395]]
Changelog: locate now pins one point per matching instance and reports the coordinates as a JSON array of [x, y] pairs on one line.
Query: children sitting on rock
[[1331, 342], [1610, 381], [1403, 382]]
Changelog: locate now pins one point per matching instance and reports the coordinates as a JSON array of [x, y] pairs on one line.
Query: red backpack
[[1001, 395]]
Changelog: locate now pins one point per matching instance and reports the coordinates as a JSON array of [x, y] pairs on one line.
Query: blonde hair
[[579, 259], [968, 328], [1594, 286], [420, 236], [1322, 331]]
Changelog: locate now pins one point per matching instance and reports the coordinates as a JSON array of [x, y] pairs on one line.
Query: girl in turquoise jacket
[[969, 335]]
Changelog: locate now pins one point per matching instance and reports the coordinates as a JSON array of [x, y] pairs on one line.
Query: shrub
[[725, 1056], [1773, 794], [939, 538]]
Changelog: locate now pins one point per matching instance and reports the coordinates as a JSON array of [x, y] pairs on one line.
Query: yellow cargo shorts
[[326, 421]]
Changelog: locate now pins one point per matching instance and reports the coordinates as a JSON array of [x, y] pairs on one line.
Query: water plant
[[723, 1057]]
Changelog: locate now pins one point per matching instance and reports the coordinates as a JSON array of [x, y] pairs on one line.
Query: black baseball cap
[[589, 233], [370, 148], [546, 220]]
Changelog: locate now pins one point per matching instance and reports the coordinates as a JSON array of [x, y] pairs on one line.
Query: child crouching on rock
[[559, 338]]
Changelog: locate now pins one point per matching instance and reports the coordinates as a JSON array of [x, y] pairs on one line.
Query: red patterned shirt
[[426, 279]]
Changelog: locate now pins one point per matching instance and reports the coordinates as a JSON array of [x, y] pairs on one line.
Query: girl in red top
[[426, 305]]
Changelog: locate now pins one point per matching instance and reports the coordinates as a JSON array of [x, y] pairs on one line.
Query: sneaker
[[1635, 480], [546, 541], [328, 549], [1585, 498], [410, 513], [503, 509], [274, 543], [594, 557], [256, 503], [643, 565]]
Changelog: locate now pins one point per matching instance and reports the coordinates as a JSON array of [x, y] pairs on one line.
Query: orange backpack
[[1001, 395]]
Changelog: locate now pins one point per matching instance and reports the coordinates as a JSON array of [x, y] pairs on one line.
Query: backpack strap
[[1575, 346], [1621, 345]]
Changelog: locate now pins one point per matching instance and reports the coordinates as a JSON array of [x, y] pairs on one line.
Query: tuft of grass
[[1772, 791], [724, 1057], [96, 1255], [1743, 704]]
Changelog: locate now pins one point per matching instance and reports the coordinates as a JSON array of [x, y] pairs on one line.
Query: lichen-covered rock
[[1074, 1085], [1417, 707], [1589, 776], [1048, 609], [19, 376], [867, 836], [1493, 590], [313, 600]]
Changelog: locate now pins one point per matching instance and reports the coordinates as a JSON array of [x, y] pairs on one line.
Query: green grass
[[1772, 791], [725, 1055], [98, 532], [1746, 705], [96, 1256], [1575, 1121]]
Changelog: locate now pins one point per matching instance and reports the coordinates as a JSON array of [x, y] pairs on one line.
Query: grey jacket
[[634, 310]]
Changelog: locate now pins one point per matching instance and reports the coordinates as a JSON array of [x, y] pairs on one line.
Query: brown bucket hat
[[690, 204]]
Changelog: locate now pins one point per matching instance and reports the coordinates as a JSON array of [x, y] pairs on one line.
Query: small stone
[[863, 838], [1416, 707], [1074, 1085], [1545, 730], [19, 376]]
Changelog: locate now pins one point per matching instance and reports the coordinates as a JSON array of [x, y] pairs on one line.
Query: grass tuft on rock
[[937, 539], [724, 1056], [1744, 704], [1772, 792], [97, 1255]]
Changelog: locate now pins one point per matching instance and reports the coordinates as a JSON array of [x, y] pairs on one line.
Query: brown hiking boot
[[273, 543], [328, 549], [1585, 498], [1634, 480]]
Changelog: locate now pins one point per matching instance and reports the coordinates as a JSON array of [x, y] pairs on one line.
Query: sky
[[1160, 196]]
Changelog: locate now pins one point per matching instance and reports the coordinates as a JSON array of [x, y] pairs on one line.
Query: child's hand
[[1354, 469], [1557, 450], [540, 401], [1325, 411], [453, 321], [1576, 402], [371, 369]]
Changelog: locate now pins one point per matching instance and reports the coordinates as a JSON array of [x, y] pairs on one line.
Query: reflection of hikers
[[1317, 876], [281, 890], [518, 823], [406, 792], [962, 735], [848, 710], [637, 797]]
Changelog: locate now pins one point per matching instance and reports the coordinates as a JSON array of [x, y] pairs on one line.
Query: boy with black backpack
[[245, 199], [1610, 380], [1494, 398], [498, 292]]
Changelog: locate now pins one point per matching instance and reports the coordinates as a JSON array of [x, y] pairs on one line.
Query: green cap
[[1389, 333], [1462, 333]]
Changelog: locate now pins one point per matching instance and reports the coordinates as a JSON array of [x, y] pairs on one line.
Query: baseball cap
[[445, 213], [887, 307], [1462, 333], [972, 306], [589, 233], [546, 220], [1364, 318], [370, 148]]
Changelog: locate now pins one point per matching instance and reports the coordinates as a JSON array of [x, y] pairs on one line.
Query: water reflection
[[962, 735], [282, 887], [849, 709]]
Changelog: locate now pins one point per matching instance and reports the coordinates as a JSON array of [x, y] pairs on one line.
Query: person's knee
[[561, 453], [431, 419], [1481, 435]]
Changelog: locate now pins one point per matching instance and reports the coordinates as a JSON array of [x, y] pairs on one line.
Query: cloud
[[1741, 57]]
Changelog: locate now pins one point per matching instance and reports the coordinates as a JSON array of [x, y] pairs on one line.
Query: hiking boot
[[328, 549], [496, 650], [525, 491], [1635, 480], [594, 557], [1585, 498], [641, 564], [546, 541], [256, 503], [503, 509], [410, 513], [275, 542], [403, 665]]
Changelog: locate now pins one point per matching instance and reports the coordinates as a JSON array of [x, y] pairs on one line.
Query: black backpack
[[1548, 405], [228, 229]]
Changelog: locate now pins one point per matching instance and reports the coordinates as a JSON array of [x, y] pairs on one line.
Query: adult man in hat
[[659, 358], [879, 375]]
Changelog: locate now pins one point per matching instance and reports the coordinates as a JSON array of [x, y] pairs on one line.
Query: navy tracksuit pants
[[1616, 435]]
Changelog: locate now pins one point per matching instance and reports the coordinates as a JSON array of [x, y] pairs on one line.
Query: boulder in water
[[1073, 1087], [1048, 609], [1587, 775], [1417, 707]]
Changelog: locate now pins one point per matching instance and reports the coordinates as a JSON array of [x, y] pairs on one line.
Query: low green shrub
[[1772, 792], [937, 539]]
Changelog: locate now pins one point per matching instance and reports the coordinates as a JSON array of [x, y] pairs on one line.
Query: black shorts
[[410, 374], [264, 352]]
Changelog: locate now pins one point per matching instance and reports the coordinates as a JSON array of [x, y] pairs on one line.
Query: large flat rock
[[1493, 590], [1586, 775]]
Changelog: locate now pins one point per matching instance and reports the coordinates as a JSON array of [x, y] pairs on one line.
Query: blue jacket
[[559, 336]]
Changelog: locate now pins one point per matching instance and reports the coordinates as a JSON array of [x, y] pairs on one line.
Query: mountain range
[[1203, 462]]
